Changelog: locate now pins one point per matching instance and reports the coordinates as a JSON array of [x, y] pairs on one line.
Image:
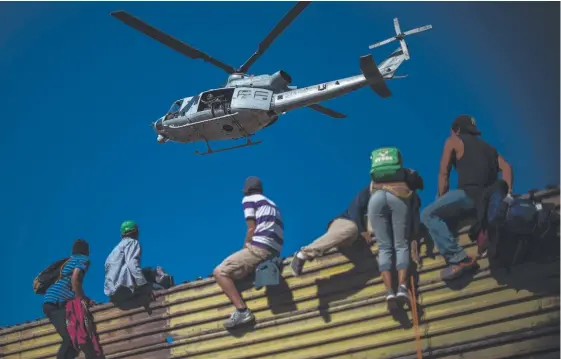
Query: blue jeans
[[452, 205], [389, 217]]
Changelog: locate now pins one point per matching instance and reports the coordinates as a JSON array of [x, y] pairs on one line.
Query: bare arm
[[446, 166], [251, 224], [506, 173], [77, 277], [250, 213]]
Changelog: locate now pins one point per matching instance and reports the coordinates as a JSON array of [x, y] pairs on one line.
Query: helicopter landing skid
[[242, 131], [211, 151]]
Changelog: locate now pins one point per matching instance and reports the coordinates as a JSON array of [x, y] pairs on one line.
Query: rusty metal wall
[[336, 309], [119, 331]]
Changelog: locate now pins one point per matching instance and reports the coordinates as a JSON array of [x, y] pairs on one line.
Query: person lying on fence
[[390, 214], [478, 165], [342, 231], [69, 285], [264, 240], [126, 283]]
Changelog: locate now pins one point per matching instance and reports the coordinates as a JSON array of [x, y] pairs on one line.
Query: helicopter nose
[[158, 125]]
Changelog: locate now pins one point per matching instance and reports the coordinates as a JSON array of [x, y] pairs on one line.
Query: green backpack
[[386, 163]]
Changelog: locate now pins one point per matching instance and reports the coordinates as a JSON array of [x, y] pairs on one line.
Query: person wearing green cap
[[126, 283]]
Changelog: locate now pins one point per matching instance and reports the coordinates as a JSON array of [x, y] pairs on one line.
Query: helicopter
[[247, 104]]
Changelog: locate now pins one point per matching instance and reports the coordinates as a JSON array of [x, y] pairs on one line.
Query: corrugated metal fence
[[336, 309]]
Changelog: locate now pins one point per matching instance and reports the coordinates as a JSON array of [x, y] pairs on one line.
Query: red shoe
[[455, 270]]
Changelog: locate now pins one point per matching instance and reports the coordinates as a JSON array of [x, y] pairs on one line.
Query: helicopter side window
[[190, 104]]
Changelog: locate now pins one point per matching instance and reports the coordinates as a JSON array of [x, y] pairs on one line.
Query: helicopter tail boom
[[311, 95]]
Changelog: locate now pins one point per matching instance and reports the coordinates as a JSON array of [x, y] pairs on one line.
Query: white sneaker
[[238, 318], [403, 293]]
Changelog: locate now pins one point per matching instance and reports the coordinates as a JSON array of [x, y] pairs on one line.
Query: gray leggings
[[389, 217]]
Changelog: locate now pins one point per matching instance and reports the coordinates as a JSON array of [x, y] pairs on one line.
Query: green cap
[[128, 227]]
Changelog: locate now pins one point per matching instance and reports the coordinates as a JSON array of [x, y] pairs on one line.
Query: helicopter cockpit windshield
[[174, 109]]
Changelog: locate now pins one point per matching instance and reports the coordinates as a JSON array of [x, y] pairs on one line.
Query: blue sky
[[79, 90]]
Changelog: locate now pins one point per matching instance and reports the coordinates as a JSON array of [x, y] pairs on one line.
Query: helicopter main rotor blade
[[417, 30], [396, 26], [277, 30], [168, 40], [381, 43], [327, 111]]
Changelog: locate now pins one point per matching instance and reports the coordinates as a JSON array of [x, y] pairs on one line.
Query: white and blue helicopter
[[247, 104]]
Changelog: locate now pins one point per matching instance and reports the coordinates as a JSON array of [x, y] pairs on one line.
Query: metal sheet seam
[[403, 337], [423, 290], [458, 311], [207, 281], [164, 305], [279, 319], [542, 194], [487, 341], [303, 315], [480, 275], [439, 351]]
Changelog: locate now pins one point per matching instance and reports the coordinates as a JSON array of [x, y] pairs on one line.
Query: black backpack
[[518, 226], [49, 276]]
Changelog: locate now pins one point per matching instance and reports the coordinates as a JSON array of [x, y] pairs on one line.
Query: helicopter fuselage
[[219, 114], [248, 104]]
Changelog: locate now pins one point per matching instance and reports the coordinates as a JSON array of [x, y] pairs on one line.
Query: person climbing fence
[[263, 240], [342, 231], [127, 284]]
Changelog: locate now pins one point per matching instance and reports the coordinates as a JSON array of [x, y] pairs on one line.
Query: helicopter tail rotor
[[400, 36]]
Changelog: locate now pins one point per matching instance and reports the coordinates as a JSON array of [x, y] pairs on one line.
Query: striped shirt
[[269, 227], [61, 290]]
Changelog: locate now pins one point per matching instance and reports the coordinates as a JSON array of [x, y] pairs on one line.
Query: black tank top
[[478, 168]]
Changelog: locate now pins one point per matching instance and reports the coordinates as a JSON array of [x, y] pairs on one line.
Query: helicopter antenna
[[400, 36]]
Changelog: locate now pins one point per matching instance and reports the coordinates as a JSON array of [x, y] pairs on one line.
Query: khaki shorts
[[243, 262]]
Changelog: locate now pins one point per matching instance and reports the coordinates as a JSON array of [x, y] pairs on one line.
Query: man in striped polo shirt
[[263, 240]]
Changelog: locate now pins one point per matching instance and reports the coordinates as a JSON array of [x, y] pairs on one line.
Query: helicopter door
[[252, 99]]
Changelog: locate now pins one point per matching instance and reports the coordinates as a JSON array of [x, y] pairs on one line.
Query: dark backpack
[[520, 216], [516, 225], [49, 276], [158, 277]]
